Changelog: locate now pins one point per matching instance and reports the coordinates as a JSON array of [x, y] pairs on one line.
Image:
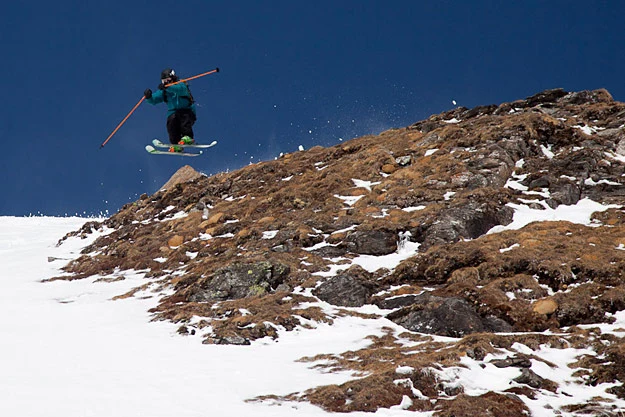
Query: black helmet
[[168, 73]]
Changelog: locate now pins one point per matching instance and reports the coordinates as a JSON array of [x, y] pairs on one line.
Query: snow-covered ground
[[68, 349]]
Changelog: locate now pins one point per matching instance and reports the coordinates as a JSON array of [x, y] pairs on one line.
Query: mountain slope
[[428, 226]]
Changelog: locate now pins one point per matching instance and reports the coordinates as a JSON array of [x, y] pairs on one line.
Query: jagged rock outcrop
[[251, 251], [184, 174]]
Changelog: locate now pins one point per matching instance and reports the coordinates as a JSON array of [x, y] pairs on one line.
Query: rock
[[543, 181], [330, 251], [545, 306], [469, 221], [547, 96], [389, 168], [344, 290], [396, 302], [266, 220], [403, 160], [582, 97], [241, 280], [620, 149], [371, 242], [280, 248], [530, 378], [565, 192], [184, 174], [517, 361], [476, 353], [452, 317], [228, 340], [175, 241], [213, 220]]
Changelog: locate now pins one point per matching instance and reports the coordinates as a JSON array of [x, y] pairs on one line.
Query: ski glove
[[147, 94]]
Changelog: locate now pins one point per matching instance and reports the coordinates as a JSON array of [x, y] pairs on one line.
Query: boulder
[[184, 174], [344, 290], [175, 241], [240, 280], [371, 242], [452, 317], [545, 306]]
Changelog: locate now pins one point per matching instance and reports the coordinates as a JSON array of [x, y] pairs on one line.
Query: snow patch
[[579, 213]]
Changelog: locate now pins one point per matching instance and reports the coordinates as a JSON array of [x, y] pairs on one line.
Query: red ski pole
[[143, 98], [194, 77], [122, 122]]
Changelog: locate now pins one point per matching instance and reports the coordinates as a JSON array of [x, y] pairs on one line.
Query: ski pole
[[122, 122], [194, 77]]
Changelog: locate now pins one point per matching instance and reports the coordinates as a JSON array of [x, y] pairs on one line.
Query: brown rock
[[545, 306], [389, 168], [372, 210], [266, 220], [184, 174], [244, 233], [214, 219], [175, 241]]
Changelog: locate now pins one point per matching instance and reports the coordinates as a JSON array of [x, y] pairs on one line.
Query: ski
[[155, 151], [160, 144]]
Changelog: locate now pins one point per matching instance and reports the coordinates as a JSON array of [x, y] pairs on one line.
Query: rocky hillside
[[422, 226]]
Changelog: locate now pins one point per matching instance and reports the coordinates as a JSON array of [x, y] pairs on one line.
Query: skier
[[180, 109]]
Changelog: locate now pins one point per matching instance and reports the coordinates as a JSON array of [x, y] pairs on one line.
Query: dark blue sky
[[292, 73]]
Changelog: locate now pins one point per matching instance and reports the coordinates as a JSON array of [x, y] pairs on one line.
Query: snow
[[270, 234], [579, 213], [415, 208], [591, 182], [350, 200], [616, 156], [373, 263], [364, 184], [589, 130], [70, 350], [516, 245], [547, 151]]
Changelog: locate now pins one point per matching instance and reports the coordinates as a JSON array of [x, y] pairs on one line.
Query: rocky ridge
[[280, 245]]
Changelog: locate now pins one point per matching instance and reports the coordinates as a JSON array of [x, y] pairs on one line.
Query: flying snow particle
[[453, 102], [301, 148]]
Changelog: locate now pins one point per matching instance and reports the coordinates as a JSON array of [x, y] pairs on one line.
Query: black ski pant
[[180, 124]]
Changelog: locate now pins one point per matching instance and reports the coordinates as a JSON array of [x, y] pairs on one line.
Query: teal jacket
[[178, 97]]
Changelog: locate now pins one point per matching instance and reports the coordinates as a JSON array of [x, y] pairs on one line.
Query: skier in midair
[[180, 109]]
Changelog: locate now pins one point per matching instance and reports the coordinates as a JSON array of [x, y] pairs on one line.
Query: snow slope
[[69, 350]]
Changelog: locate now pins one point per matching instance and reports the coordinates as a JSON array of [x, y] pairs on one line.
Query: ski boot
[[176, 148], [186, 140]]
